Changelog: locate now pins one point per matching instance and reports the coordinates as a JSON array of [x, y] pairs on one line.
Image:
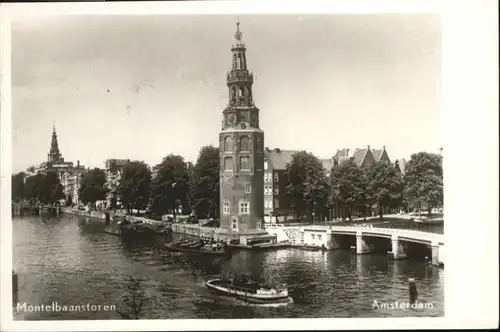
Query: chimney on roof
[[78, 163], [277, 150], [368, 147], [267, 150], [383, 146], [347, 152]]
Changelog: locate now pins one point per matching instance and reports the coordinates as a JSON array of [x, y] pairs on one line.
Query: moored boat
[[249, 291], [198, 247], [310, 248]]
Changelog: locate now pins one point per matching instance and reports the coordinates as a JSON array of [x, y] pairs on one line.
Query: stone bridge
[[18, 209], [328, 236]]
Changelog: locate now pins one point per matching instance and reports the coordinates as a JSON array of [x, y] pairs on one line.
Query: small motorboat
[[249, 291]]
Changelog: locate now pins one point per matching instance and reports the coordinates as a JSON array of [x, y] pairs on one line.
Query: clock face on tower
[[231, 119], [244, 117]]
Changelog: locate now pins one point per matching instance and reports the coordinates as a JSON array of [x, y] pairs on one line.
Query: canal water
[[70, 261]]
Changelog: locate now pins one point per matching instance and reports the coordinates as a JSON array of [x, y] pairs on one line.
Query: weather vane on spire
[[238, 33]]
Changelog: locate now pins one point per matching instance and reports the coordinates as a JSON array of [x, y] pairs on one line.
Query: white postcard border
[[470, 94]]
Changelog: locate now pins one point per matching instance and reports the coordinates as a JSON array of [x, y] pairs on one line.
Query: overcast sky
[[141, 87]]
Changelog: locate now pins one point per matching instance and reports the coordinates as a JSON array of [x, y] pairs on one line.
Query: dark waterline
[[69, 260]]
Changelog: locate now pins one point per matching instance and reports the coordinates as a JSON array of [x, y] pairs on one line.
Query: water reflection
[[70, 259]]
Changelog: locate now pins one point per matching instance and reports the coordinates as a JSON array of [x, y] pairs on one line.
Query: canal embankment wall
[[101, 215], [90, 214]]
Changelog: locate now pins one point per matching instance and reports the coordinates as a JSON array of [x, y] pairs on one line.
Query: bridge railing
[[418, 226], [414, 234]]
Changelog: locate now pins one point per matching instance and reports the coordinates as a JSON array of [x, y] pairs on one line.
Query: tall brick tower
[[241, 143]]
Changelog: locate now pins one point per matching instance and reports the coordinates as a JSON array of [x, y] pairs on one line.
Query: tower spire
[[239, 79], [54, 153], [238, 35]]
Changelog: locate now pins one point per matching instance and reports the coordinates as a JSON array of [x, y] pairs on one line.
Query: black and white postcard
[[197, 164]]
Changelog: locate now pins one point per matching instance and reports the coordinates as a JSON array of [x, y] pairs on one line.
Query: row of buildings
[[277, 202]]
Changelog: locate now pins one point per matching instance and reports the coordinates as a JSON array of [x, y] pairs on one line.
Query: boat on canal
[[199, 247], [136, 229], [246, 289], [307, 247]]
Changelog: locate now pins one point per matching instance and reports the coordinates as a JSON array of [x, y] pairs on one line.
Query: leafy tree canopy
[[307, 183], [18, 188], [134, 187], [92, 186], [385, 184], [43, 188], [204, 193], [424, 180], [348, 185], [171, 185]]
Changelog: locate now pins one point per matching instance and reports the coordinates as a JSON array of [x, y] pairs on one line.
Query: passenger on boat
[[215, 247]]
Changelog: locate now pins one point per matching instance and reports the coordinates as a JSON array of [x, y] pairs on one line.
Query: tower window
[[244, 162], [240, 62], [228, 163], [228, 144], [276, 203], [258, 146], [234, 224], [248, 189], [233, 93], [235, 62], [276, 191], [226, 207], [244, 143], [244, 207], [276, 177], [241, 92]]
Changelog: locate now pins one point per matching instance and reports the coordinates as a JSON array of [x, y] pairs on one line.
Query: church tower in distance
[[241, 143], [54, 156]]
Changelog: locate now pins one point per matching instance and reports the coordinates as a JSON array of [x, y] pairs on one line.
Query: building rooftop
[[377, 154], [359, 156]]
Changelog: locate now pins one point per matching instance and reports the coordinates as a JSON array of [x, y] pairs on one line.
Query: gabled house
[[381, 156], [363, 158]]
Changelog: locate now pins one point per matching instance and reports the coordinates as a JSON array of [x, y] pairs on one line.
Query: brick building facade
[[113, 169], [277, 203]]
